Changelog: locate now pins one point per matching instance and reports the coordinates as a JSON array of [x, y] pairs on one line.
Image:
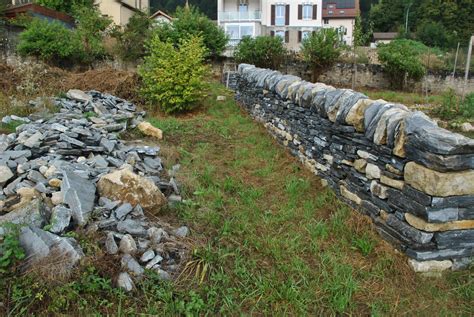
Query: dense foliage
[[208, 7], [131, 39], [262, 51], [55, 43], [174, 77], [401, 60], [50, 41], [453, 19], [189, 22], [91, 28], [321, 50], [68, 7]]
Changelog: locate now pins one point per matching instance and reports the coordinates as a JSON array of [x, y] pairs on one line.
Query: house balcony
[[236, 16]]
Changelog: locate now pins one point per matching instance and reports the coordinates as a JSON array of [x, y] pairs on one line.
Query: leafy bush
[[65, 6], [262, 51], [189, 22], [91, 29], [131, 39], [401, 59], [53, 42], [174, 76], [452, 107], [321, 50], [10, 250], [50, 41]]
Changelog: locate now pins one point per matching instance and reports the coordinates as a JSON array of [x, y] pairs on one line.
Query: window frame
[[282, 8], [309, 8]]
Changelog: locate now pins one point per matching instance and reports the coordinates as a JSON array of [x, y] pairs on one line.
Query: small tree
[[321, 50], [362, 38], [174, 77], [262, 51], [91, 29], [190, 22], [131, 40], [401, 60]]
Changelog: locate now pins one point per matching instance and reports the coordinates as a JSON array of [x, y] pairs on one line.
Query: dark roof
[[385, 35], [340, 9], [340, 4], [38, 11]]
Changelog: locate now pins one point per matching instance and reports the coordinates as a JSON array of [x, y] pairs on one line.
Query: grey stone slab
[[79, 194], [60, 219], [426, 135], [122, 211]]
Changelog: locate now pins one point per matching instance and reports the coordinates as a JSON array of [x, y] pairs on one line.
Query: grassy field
[[410, 99], [267, 239]]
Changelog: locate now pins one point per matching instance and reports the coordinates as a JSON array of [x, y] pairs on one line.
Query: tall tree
[[208, 7]]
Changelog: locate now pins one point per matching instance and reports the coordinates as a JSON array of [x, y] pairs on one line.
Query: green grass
[[410, 99], [267, 240]]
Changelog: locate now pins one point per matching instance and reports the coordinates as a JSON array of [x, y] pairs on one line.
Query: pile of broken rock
[[70, 169]]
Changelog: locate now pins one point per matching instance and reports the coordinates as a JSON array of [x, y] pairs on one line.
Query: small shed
[[384, 37], [161, 17]]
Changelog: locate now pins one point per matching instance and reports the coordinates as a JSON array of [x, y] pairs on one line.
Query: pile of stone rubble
[[69, 169]]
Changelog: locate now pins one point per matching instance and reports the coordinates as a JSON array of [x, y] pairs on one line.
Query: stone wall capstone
[[414, 179]]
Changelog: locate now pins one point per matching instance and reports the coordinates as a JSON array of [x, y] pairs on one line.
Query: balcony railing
[[225, 16]]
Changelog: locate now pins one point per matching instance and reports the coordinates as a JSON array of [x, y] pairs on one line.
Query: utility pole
[[468, 64], [406, 21], [456, 60]]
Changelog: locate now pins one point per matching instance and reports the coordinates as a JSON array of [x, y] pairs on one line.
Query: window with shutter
[[307, 12], [280, 15]]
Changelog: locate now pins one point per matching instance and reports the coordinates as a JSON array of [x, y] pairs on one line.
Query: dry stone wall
[[414, 179]]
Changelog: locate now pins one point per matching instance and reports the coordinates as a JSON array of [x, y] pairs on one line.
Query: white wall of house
[[238, 25], [294, 21], [347, 24], [118, 12]]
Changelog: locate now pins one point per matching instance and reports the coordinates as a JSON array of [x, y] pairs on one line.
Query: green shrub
[[321, 50], [262, 51], [10, 249], [131, 39], [189, 22], [65, 6], [174, 77], [91, 29], [452, 107], [53, 42], [400, 59], [50, 41]]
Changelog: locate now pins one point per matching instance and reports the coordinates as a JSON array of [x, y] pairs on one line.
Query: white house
[[341, 15], [120, 11], [292, 20]]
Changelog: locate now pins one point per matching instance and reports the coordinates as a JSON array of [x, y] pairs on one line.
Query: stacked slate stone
[[54, 170], [414, 179]]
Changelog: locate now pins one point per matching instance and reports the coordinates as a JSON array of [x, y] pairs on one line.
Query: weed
[[11, 126], [10, 250], [364, 244], [89, 114]]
